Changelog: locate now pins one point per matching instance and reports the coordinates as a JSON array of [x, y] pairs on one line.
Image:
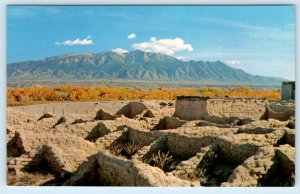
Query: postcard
[[160, 95]]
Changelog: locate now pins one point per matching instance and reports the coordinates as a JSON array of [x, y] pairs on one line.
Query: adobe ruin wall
[[200, 108]]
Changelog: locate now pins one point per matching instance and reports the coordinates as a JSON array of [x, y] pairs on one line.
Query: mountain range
[[135, 65]]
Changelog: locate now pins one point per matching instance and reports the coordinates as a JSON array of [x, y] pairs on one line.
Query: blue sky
[[257, 39]]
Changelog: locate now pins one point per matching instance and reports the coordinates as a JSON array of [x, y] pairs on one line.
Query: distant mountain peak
[[137, 64]]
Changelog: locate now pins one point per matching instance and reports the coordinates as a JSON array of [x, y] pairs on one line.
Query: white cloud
[[180, 58], [233, 62], [85, 41], [153, 39], [165, 46], [119, 51], [131, 36]]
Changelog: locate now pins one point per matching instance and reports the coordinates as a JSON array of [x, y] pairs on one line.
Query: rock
[[45, 116], [104, 115], [61, 120], [132, 109]]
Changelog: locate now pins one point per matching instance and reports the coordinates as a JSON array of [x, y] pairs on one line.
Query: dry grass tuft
[[116, 148], [160, 159], [125, 149], [131, 148]]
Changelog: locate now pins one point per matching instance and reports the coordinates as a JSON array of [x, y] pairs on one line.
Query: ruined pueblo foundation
[[193, 141]]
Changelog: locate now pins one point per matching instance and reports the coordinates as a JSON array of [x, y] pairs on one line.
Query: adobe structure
[[224, 142], [202, 108], [288, 90]]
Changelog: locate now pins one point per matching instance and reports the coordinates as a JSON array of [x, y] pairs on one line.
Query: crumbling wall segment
[[193, 108]]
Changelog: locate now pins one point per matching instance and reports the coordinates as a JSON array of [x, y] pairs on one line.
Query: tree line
[[30, 95]]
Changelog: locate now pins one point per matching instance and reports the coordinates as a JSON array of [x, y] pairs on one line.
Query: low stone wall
[[268, 164], [286, 156], [168, 123], [280, 112], [290, 137], [206, 131], [86, 175], [153, 148], [115, 171], [142, 137], [74, 149], [189, 146], [252, 169], [185, 146], [187, 169], [54, 157], [235, 152], [105, 127], [193, 108]]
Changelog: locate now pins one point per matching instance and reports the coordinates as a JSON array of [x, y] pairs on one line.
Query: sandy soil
[[61, 109]]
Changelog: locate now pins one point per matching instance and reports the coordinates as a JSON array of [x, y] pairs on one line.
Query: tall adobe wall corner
[[200, 108]]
